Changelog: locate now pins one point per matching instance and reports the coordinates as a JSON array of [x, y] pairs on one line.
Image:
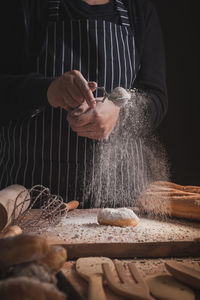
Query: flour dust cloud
[[130, 159]]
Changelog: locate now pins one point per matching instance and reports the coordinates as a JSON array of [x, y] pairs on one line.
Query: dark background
[[180, 129]]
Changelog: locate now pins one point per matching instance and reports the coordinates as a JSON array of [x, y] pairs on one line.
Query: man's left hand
[[94, 123]]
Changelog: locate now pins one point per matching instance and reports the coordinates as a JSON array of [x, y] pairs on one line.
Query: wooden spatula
[[136, 289], [90, 268], [184, 273]]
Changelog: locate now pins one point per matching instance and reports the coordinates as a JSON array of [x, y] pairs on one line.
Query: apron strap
[[54, 6], [123, 13], [53, 10]]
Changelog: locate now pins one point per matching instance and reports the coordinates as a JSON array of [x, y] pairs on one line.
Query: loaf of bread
[[55, 258], [22, 248], [23, 288], [168, 185], [167, 198]]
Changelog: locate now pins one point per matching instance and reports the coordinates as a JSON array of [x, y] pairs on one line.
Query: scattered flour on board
[[81, 226]]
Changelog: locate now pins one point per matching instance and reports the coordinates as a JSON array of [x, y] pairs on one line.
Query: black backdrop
[[180, 129]]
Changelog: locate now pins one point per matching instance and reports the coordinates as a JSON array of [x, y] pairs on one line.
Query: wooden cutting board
[[173, 248], [132, 250]]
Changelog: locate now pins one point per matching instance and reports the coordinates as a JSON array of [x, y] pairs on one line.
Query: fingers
[[82, 84], [70, 90], [79, 110], [92, 85], [93, 135], [93, 132], [90, 135], [87, 128], [81, 120], [66, 107], [95, 123], [70, 87], [69, 99]]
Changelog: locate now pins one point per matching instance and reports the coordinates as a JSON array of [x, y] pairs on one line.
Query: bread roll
[[55, 258], [117, 217], [24, 288], [34, 270], [11, 231], [22, 248]]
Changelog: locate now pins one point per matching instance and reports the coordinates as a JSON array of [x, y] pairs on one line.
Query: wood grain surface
[[132, 250]]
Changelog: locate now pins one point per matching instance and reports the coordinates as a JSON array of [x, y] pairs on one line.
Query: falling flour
[[130, 159]]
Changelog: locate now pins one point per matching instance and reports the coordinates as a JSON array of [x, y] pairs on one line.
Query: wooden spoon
[[184, 273], [90, 268], [166, 287]]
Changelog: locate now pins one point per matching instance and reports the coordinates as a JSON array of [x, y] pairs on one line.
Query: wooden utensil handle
[[96, 291], [14, 197], [72, 205]]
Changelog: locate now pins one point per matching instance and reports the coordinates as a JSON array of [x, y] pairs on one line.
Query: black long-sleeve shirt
[[22, 30]]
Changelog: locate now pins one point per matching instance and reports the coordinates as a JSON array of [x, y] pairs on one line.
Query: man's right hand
[[71, 90]]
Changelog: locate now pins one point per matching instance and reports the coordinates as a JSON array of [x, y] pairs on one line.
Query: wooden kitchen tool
[[52, 209], [137, 289], [184, 273], [166, 287], [71, 205], [90, 268], [11, 199]]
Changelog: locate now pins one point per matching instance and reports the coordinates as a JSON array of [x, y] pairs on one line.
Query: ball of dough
[[117, 217]]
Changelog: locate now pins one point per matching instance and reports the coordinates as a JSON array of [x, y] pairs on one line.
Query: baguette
[[166, 184], [162, 198]]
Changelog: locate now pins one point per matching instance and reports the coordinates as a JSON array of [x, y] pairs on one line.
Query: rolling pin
[[8, 202]]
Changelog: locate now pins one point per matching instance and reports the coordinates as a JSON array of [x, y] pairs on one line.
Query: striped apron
[[44, 150]]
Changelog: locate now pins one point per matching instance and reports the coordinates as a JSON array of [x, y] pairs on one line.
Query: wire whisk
[[51, 208]]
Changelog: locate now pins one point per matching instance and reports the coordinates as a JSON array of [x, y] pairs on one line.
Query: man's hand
[[96, 123], [70, 90]]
